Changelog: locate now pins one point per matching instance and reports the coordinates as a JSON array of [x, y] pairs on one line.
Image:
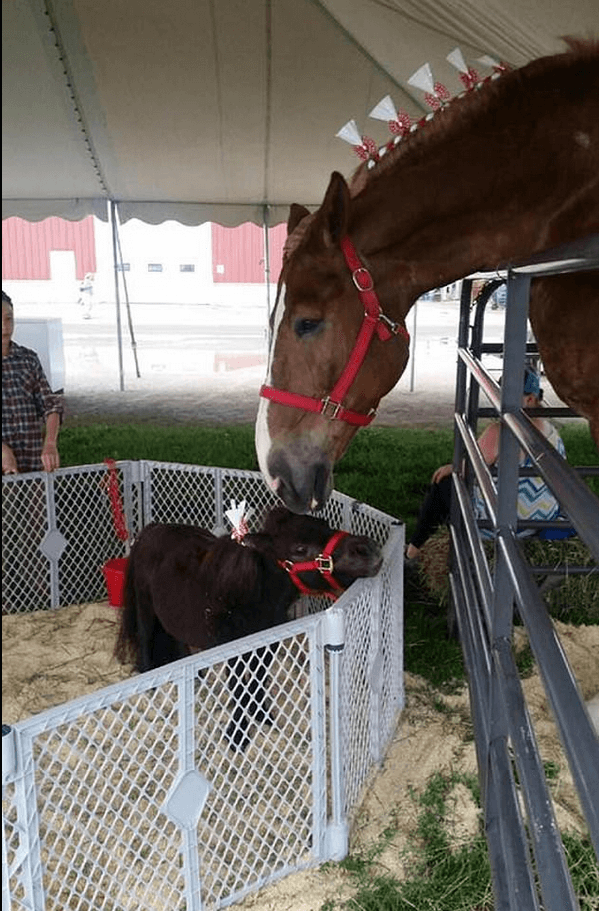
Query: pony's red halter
[[323, 563], [374, 321]]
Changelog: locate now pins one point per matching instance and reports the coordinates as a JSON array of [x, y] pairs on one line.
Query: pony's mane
[[465, 107]]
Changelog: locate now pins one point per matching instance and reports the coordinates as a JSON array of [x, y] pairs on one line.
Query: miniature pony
[[187, 590]]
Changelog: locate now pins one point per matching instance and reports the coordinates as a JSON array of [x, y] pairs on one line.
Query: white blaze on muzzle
[[262, 436]]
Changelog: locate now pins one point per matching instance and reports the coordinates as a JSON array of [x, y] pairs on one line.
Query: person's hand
[[443, 472], [9, 462], [50, 457]]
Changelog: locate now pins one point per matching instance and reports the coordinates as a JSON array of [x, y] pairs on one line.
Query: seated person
[[535, 499]]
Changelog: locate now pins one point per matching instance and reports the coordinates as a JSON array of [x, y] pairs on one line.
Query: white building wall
[[169, 245]]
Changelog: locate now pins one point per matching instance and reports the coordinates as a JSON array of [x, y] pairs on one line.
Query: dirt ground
[[51, 657]]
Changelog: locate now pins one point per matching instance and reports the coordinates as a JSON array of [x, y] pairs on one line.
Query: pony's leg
[[247, 680], [164, 648], [145, 633]]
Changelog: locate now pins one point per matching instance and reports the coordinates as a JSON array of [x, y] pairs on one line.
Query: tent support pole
[[116, 293], [126, 292], [413, 358], [265, 226]]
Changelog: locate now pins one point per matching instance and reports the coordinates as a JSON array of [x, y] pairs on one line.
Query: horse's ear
[[296, 213], [274, 519], [334, 211]]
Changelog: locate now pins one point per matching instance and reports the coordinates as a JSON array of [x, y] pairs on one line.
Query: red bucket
[[114, 574]]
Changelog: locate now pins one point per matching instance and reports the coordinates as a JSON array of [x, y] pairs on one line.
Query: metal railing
[[526, 850]]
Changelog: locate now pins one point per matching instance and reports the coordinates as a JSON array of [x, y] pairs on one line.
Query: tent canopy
[[212, 110]]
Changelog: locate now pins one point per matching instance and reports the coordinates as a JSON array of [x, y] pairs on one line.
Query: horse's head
[[317, 557], [333, 354]]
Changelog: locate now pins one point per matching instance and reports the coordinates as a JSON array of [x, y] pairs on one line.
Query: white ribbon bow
[[238, 517]]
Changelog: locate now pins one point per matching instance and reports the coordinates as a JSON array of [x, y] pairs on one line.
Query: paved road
[[206, 363]]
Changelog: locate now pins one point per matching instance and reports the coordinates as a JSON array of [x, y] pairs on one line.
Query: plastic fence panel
[[335, 512], [191, 786], [138, 797], [57, 533], [357, 664], [84, 518], [26, 570], [58, 529], [184, 494], [271, 816], [391, 653], [372, 691], [364, 520]]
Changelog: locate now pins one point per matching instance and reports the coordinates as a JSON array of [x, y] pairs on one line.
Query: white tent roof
[[211, 109]]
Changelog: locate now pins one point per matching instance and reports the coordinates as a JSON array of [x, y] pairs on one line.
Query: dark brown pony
[[504, 172], [187, 590]]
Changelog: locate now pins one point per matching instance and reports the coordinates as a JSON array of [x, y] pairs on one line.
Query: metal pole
[[119, 332], [265, 226], [127, 302], [413, 361]]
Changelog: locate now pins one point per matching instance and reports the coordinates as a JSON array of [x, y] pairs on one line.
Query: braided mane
[[464, 108]]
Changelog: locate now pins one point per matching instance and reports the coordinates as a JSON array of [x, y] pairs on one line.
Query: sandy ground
[[180, 383], [51, 657]]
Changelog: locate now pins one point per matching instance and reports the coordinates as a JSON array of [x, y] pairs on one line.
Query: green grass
[[387, 467], [427, 649], [445, 877], [225, 447]]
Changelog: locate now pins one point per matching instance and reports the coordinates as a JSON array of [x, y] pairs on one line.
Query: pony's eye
[[300, 550], [304, 327]]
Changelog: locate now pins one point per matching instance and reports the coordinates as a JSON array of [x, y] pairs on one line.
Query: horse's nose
[[302, 483], [364, 547], [367, 551]]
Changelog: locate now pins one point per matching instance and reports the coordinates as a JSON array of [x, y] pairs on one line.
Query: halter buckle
[[363, 271], [392, 326], [336, 406], [324, 564]]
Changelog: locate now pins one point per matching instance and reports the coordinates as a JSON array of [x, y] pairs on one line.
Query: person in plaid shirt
[[27, 404]]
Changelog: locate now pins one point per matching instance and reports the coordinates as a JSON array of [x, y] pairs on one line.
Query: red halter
[[374, 321], [323, 563]]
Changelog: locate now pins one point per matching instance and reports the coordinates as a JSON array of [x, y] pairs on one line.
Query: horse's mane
[[466, 107], [231, 574]]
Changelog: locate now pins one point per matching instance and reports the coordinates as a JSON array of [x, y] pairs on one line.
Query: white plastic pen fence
[[132, 797]]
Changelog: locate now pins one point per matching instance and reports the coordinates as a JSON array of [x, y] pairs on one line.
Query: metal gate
[[526, 850]]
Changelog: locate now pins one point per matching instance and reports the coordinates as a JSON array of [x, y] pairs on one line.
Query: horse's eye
[[304, 327], [300, 550]]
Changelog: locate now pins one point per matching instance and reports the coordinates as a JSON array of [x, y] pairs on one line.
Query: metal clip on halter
[[336, 406], [324, 564], [392, 326]]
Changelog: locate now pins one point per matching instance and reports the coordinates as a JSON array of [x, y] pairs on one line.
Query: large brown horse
[[502, 173]]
